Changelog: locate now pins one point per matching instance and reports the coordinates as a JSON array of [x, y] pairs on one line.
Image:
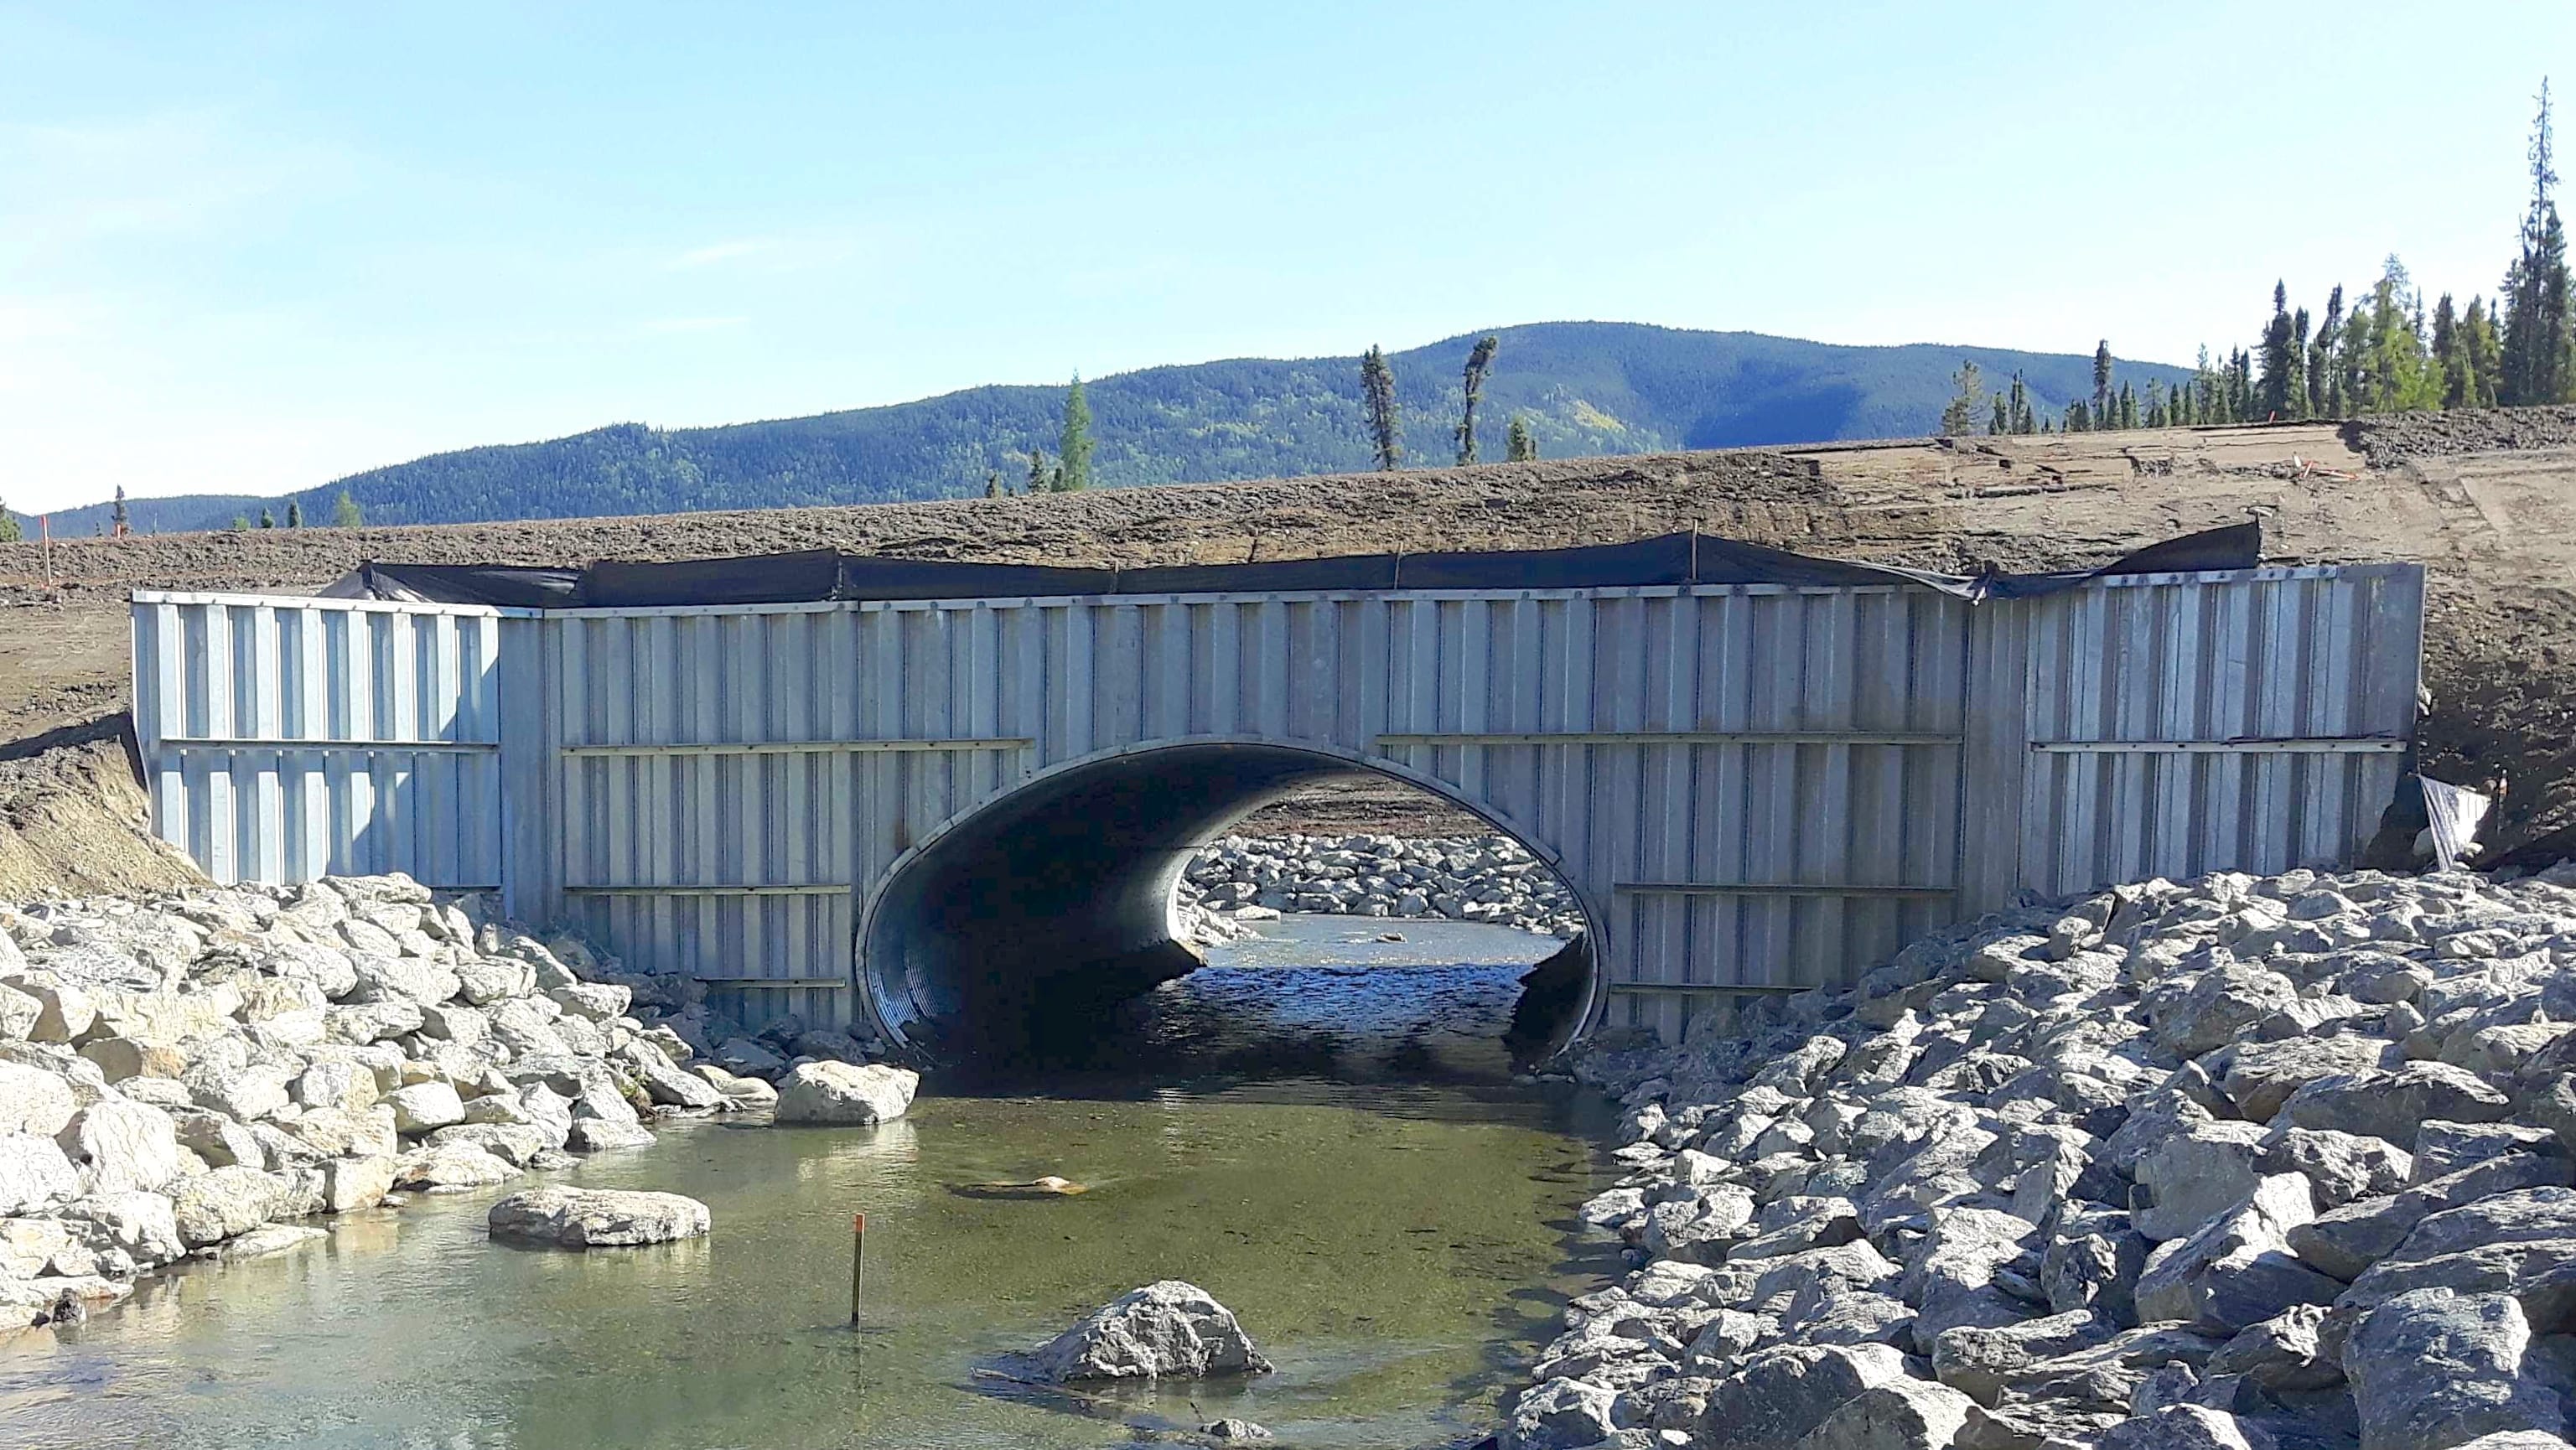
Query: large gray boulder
[[2238, 1271], [123, 1146], [838, 1094], [2340, 1167], [592, 1218], [1900, 1415], [426, 1106], [2432, 1369], [1781, 1395], [2186, 1427], [220, 1203], [2346, 1241], [2392, 1104], [2261, 1076], [2222, 1006], [2191, 1177], [2522, 1244], [33, 1173], [33, 1100], [1167, 1330], [1561, 1414]]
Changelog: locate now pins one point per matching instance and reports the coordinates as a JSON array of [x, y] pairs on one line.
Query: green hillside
[[1585, 387]]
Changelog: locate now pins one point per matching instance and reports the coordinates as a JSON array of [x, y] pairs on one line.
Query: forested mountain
[[1580, 387]]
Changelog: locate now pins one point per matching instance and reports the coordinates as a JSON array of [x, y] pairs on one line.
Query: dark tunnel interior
[[1012, 937]]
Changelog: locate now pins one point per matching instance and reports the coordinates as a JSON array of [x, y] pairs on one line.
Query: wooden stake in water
[[858, 1257]]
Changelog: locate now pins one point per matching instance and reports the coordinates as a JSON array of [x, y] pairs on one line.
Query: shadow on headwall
[[1012, 938]]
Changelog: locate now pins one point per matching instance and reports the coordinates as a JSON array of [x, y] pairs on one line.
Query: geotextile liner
[[828, 574]]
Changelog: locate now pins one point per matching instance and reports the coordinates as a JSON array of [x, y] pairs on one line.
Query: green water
[[1397, 1247]]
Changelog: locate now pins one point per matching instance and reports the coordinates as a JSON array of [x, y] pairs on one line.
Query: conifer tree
[[2022, 422], [1073, 474], [2128, 407], [1040, 481], [294, 514], [2479, 344], [345, 513], [1386, 429], [1519, 444], [2325, 390], [1479, 359], [116, 513], [992, 484], [267, 520], [9, 531], [2451, 355], [2537, 365], [2000, 422], [2101, 381], [1959, 418], [2273, 396]]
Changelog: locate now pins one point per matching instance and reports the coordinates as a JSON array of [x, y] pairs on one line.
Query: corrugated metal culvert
[[1750, 787]]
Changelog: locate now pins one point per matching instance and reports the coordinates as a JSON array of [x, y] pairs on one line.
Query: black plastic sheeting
[[825, 574]]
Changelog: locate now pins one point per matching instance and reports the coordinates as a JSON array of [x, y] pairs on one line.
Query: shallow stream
[[1391, 1219]]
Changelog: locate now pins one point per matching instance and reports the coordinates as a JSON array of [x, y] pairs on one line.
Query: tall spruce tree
[[1377, 390], [294, 514], [2451, 355], [2479, 343], [1520, 445], [1040, 479], [1999, 422], [1073, 473], [2101, 381], [2537, 366], [1967, 399], [345, 513], [2022, 421], [2325, 397], [116, 514], [2279, 357], [1480, 358]]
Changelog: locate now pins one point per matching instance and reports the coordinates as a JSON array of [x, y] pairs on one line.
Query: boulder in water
[[1167, 1330], [838, 1094], [592, 1218]]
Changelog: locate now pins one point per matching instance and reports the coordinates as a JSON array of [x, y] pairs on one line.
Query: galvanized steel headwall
[[1750, 788]]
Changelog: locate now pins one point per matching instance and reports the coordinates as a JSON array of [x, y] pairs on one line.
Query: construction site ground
[[2486, 500]]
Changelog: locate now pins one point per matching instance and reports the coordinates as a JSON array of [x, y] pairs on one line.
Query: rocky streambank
[[2238, 1164], [187, 1074], [1490, 879]]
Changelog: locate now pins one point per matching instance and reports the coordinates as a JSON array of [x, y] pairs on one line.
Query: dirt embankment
[[2487, 500]]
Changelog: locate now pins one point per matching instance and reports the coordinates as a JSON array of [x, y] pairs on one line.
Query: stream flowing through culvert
[[1330, 1144]]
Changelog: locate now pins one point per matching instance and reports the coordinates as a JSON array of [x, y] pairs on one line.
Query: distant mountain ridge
[[1584, 388]]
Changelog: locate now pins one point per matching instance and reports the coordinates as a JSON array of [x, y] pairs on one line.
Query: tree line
[[2381, 353]]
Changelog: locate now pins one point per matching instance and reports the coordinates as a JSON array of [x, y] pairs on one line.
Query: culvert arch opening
[[1025, 933]]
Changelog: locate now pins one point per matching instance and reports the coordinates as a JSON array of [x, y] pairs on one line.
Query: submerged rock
[[593, 1218], [1169, 1329]]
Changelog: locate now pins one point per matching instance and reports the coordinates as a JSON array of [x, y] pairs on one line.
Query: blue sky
[[249, 248]]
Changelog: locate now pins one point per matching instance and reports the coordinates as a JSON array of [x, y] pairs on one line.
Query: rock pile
[[178, 1074], [1481, 878], [2245, 1163]]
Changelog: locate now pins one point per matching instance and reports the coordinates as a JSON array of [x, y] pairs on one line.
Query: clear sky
[[251, 247]]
